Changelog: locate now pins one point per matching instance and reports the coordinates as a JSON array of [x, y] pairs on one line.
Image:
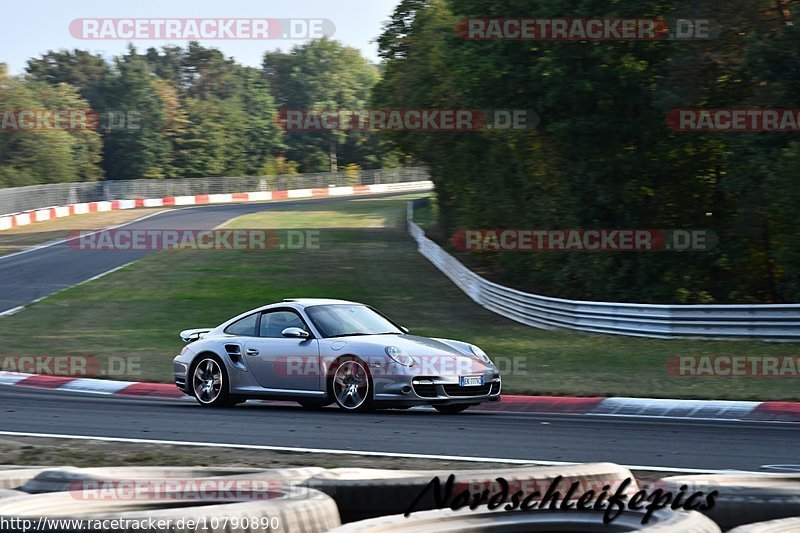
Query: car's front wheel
[[351, 385], [210, 383]]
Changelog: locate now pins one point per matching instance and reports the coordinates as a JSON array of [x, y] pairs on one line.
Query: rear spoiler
[[190, 335]]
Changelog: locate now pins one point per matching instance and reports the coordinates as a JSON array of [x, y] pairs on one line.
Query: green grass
[[138, 311], [372, 213]]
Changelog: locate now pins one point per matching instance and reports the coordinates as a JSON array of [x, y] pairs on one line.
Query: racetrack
[[702, 444], [640, 442], [39, 272]]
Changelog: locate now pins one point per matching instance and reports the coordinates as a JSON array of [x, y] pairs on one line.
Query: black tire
[[354, 362], [363, 493], [452, 409], [295, 508], [744, 498], [15, 478], [63, 479], [785, 525], [483, 520], [220, 398]]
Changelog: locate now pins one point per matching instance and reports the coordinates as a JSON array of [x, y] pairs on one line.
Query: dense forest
[[602, 155], [185, 112]]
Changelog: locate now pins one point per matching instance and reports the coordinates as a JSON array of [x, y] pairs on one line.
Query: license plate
[[471, 381]]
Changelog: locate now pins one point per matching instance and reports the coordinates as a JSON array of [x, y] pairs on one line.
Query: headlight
[[399, 356], [481, 354]]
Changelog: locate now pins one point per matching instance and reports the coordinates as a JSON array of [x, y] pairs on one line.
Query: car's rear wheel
[[351, 385], [210, 383], [452, 409]]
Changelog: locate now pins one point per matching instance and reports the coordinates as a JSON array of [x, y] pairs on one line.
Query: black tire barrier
[[483, 520], [363, 493], [62, 479], [744, 499], [784, 525], [15, 478], [288, 509]]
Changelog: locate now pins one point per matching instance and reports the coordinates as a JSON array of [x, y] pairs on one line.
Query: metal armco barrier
[[764, 322]]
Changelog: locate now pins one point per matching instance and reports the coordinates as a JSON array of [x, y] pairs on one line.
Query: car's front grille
[[495, 387], [425, 390], [457, 390]]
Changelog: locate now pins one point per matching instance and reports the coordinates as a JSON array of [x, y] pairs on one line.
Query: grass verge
[[39, 451]]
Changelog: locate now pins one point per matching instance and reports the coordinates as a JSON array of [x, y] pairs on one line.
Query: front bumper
[[438, 390], [179, 374]]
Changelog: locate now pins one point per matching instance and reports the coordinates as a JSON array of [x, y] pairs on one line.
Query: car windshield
[[344, 320]]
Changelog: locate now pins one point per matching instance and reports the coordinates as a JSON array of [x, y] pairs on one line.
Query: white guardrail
[[776, 322]]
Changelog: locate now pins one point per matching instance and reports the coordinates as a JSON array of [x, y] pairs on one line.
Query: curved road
[[34, 274], [639, 442]]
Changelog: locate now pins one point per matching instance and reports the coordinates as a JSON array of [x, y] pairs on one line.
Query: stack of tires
[[52, 493], [310, 500]]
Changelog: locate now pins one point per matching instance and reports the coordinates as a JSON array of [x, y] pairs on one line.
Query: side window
[[274, 322], [245, 326]]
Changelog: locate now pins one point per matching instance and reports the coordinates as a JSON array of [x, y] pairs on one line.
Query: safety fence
[[20, 199], [765, 322]]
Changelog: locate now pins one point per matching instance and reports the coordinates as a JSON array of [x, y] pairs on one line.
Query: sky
[[46, 24]]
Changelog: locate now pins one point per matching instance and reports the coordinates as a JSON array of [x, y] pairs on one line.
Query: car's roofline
[[299, 304], [308, 302]]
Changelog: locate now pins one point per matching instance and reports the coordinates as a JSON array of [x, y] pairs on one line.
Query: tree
[[321, 75], [140, 149], [602, 155], [88, 73], [48, 153]]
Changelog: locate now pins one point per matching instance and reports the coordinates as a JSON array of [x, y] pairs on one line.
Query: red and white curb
[[94, 386], [49, 213], [597, 406], [652, 408]]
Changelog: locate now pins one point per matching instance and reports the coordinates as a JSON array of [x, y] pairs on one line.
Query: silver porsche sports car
[[320, 351]]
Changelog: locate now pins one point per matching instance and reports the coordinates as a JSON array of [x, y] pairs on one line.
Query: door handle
[[252, 351]]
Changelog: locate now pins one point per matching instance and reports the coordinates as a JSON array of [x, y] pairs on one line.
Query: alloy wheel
[[351, 385], [207, 381]]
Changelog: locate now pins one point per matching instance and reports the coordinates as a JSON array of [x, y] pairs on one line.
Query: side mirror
[[405, 329], [295, 333]]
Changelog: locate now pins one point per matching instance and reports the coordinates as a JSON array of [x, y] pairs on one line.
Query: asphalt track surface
[[37, 273], [568, 438], [713, 445]]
